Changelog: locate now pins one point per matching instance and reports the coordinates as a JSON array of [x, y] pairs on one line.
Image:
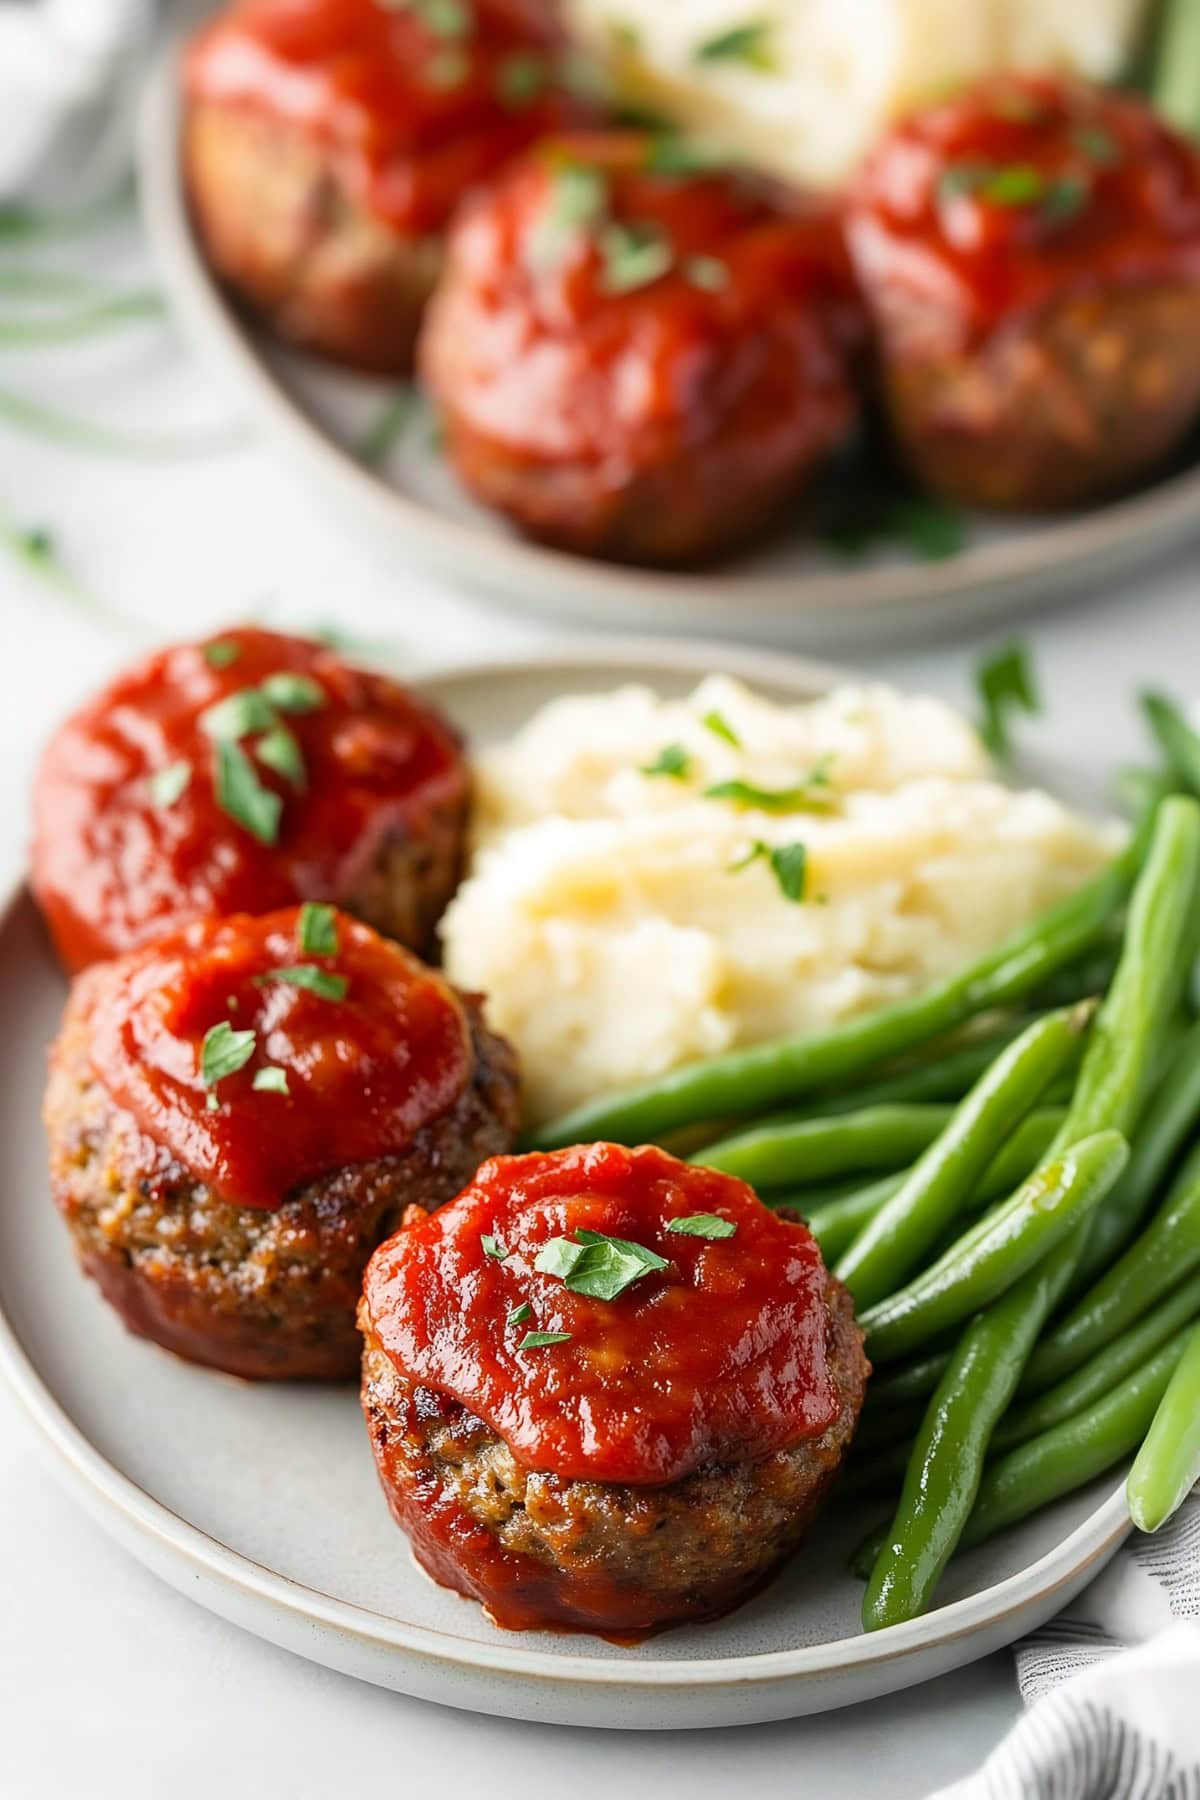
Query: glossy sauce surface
[[991, 204], [722, 1356], [418, 102], [364, 1071], [113, 865], [561, 349]]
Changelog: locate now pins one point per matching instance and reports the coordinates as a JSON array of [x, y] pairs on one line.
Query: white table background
[[112, 1687]]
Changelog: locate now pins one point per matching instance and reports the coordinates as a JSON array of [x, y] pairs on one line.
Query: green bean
[[1175, 86], [1101, 1374], [1168, 1464], [946, 1467], [913, 1381], [1170, 1118], [978, 1269], [1177, 740], [746, 1082], [1085, 976], [879, 1137], [944, 1072], [836, 1220], [1167, 1252], [1075, 1452], [1139, 791], [938, 1187]]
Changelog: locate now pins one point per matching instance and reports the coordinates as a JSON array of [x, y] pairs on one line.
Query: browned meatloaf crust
[[1067, 405], [260, 1294], [280, 226], [694, 1547]]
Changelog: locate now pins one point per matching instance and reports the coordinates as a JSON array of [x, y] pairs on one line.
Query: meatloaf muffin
[[243, 774], [606, 1390], [637, 357], [239, 1113], [326, 143], [1031, 255]]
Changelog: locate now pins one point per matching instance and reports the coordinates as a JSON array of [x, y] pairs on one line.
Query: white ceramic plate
[[261, 1502], [792, 591]]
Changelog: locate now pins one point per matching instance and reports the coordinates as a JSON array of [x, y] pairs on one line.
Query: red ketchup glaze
[[112, 868], [1014, 193], [414, 114], [364, 1072], [558, 365], [721, 1357]]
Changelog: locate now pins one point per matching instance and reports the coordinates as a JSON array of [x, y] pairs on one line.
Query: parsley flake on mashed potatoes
[[607, 919], [804, 87]]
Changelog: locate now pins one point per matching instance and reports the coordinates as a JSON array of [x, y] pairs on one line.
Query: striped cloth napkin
[[1112, 1686]]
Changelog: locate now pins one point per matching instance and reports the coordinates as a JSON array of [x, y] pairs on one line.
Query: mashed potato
[[803, 87], [607, 921]]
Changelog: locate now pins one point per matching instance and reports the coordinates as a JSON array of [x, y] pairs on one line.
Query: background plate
[[261, 1502], [792, 591]]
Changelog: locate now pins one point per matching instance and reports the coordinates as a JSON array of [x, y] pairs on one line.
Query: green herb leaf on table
[[279, 750], [492, 1247], [242, 795], [748, 44], [270, 1080], [310, 977], [223, 1052], [599, 1266], [317, 929], [1006, 686], [702, 1225], [169, 784], [538, 1340], [672, 760]]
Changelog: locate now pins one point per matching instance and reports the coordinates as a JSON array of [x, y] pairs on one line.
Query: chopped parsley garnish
[[702, 1225], [270, 1080], [520, 79], [706, 272], [221, 652], [242, 795], [493, 1247], [317, 929], [223, 1052], [668, 154], [309, 977], [719, 725], [448, 68], [748, 44], [293, 693], [633, 256], [239, 714], [1097, 144], [444, 18], [672, 760], [1058, 198], [1006, 686], [384, 432], [519, 1314], [537, 1340], [808, 797], [788, 862], [280, 751], [928, 527], [169, 784], [577, 198], [1017, 184], [599, 1266]]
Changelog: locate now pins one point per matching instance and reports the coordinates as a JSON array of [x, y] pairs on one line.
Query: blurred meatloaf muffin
[[606, 1390], [1030, 250], [243, 774], [239, 1113], [326, 143]]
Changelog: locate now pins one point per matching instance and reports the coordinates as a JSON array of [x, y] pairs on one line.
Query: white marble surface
[[110, 1685]]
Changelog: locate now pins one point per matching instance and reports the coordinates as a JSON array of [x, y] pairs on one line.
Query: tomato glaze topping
[[122, 852], [1017, 191], [365, 1068], [719, 1357], [610, 303], [418, 102]]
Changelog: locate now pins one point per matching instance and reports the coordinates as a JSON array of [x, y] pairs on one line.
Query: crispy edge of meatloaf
[[262, 1294], [538, 1550], [1055, 409], [281, 227]]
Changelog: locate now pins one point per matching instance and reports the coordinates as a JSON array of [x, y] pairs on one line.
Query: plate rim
[[1128, 529], [1083, 1549]]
